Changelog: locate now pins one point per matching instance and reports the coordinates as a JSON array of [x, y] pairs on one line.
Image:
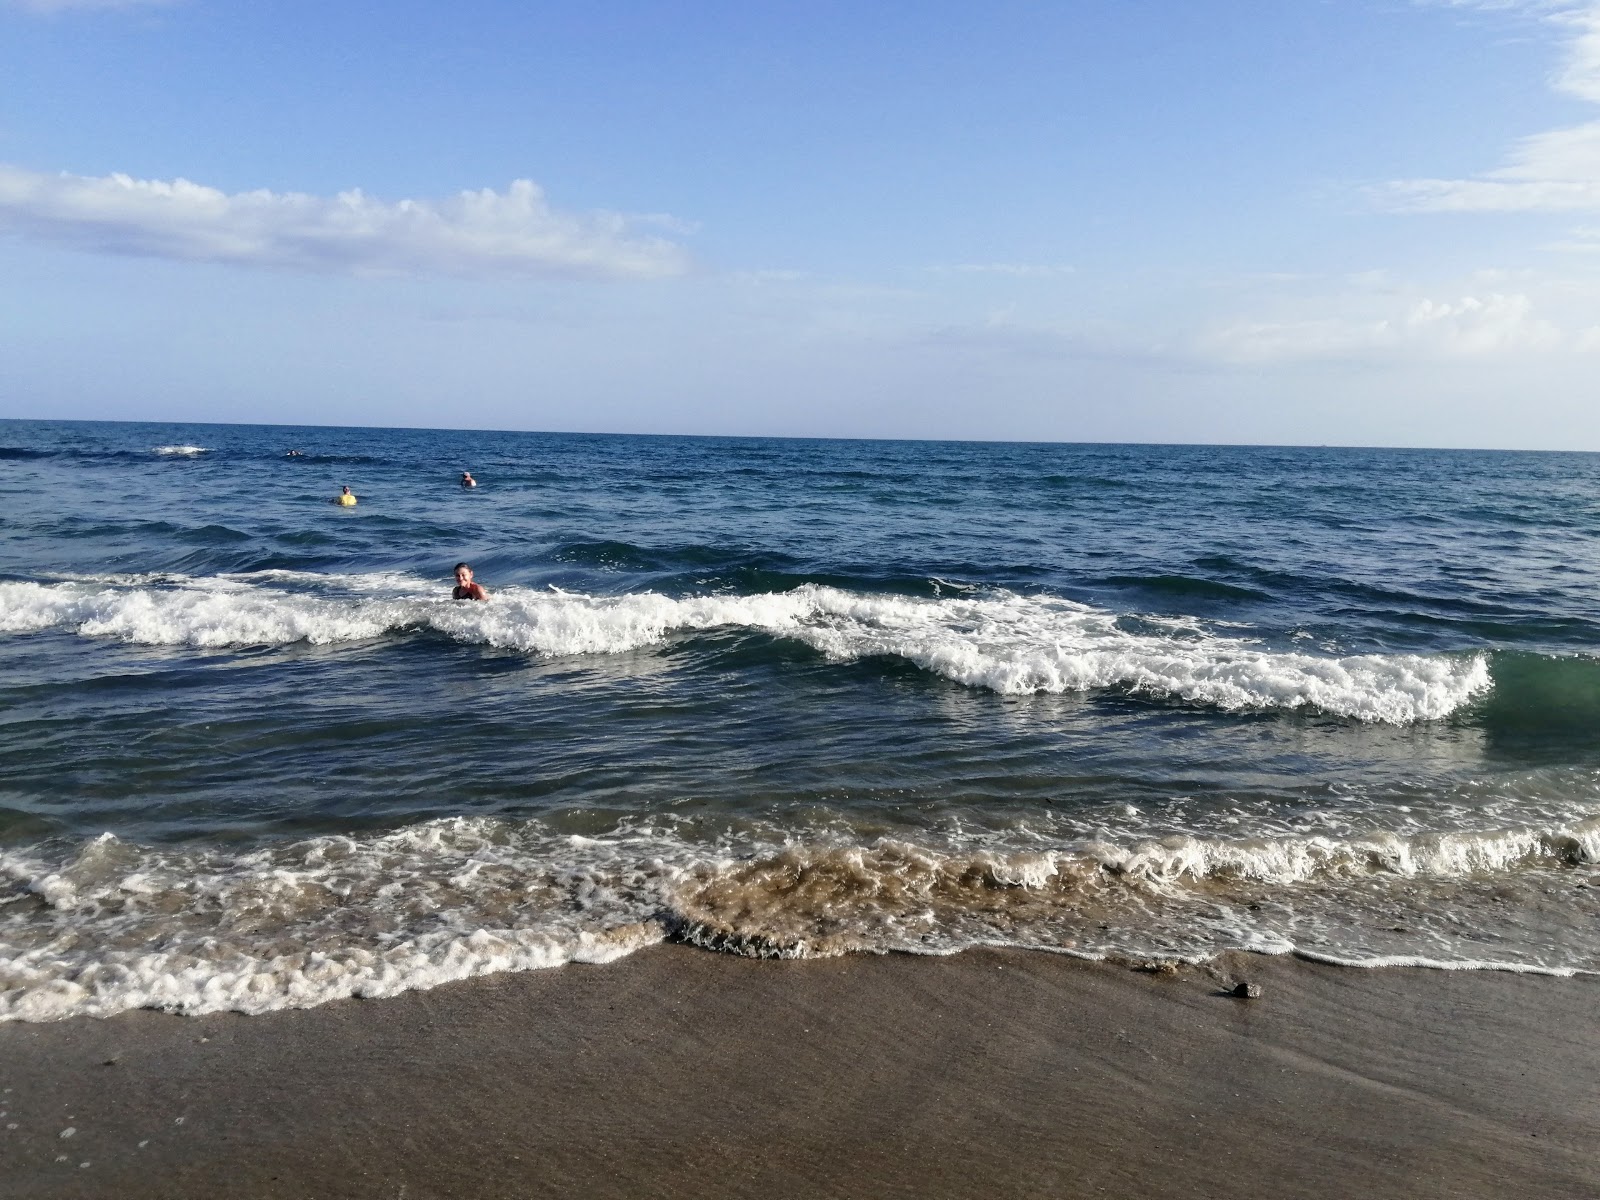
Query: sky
[[1357, 222]]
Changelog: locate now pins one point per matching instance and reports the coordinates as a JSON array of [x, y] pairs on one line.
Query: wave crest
[[1013, 645]]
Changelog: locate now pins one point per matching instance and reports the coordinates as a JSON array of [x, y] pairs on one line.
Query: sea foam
[[108, 925], [1010, 644], [115, 926]]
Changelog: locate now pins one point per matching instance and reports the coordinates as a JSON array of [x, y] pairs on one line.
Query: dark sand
[[679, 1072]]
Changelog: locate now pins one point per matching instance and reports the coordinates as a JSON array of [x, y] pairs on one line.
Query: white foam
[[1017, 645], [1438, 964], [117, 927], [112, 926], [43, 989], [1283, 860], [1014, 645], [181, 451]]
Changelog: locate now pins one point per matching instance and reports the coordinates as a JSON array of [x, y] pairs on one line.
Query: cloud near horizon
[[1556, 171], [1472, 326], [513, 234]]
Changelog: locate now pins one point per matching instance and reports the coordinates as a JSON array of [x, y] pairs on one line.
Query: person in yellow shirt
[[345, 498]]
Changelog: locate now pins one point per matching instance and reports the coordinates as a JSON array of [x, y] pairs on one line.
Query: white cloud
[[1548, 172], [513, 234], [1583, 240], [1471, 326], [1480, 325], [1557, 171], [1580, 76], [1537, 8], [1282, 341]]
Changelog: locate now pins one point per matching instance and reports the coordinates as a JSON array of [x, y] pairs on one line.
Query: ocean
[[781, 698]]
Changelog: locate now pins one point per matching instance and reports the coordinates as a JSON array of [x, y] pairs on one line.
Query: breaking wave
[[106, 926], [1010, 644]]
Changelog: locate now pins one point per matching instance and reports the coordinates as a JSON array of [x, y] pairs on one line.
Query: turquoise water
[[777, 697]]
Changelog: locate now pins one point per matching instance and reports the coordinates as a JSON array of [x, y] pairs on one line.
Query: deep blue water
[[780, 697]]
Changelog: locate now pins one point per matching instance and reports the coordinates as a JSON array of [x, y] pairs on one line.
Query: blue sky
[[1313, 222]]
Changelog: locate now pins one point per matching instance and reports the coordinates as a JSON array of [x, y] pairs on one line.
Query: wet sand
[[679, 1072]]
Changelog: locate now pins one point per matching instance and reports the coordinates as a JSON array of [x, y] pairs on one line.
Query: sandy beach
[[682, 1073]]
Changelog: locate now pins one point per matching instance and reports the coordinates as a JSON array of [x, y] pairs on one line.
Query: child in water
[[465, 589]]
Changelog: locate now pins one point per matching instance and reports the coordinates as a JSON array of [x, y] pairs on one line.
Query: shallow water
[[777, 697]]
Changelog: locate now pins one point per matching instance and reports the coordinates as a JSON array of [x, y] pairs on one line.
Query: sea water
[[772, 697]]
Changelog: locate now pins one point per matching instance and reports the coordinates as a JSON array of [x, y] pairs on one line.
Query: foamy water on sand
[[777, 698]]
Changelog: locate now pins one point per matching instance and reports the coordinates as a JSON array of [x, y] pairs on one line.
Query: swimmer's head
[[463, 574], [345, 489]]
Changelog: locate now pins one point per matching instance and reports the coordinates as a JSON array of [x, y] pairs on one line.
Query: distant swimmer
[[467, 480], [465, 589], [345, 498], [294, 453]]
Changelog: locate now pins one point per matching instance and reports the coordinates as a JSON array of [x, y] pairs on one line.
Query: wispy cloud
[[1011, 269], [514, 233], [1535, 7], [1583, 240], [1470, 326], [1548, 172], [1555, 171]]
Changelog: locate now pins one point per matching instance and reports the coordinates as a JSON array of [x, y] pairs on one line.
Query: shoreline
[[678, 1072]]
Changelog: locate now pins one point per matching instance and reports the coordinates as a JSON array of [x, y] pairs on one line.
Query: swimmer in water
[[467, 480], [345, 498], [465, 589]]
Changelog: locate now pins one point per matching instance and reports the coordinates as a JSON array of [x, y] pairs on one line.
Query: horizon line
[[794, 437]]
